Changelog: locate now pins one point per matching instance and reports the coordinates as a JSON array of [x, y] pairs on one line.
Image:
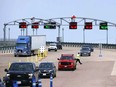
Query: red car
[[67, 61]]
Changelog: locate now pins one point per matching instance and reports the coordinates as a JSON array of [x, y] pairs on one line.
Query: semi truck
[[29, 45]]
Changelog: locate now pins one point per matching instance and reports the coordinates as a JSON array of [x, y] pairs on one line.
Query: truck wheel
[[16, 55], [32, 53]]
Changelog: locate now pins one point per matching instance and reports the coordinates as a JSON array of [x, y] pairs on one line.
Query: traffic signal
[[103, 26], [50, 25], [88, 25], [73, 25], [22, 25], [35, 25]]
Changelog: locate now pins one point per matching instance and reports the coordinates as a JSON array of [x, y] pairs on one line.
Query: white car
[[53, 46]]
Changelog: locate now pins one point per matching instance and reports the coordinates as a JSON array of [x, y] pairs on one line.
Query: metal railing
[[9, 46]]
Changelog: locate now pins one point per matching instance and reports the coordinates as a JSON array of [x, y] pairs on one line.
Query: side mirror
[[6, 70]]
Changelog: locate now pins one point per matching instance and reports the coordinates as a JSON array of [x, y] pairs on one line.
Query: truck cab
[[29, 45], [23, 46]]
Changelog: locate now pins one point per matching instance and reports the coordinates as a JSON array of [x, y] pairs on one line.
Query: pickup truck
[[22, 72], [67, 61]]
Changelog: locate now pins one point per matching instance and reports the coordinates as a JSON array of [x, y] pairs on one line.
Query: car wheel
[[55, 49], [7, 85], [59, 69], [80, 54], [54, 74]]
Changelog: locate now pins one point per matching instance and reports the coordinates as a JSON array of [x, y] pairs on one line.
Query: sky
[[11, 10]]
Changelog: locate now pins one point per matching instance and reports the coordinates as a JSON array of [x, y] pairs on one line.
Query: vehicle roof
[[85, 48], [22, 62], [87, 45], [46, 62], [67, 54]]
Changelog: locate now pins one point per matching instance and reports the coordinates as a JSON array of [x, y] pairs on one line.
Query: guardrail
[[9, 48], [95, 45]]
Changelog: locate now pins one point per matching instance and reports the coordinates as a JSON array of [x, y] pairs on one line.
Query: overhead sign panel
[[103, 26], [73, 25], [50, 25], [88, 25], [22, 25]]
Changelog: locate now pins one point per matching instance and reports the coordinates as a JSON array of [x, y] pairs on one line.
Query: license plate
[[44, 74], [18, 82]]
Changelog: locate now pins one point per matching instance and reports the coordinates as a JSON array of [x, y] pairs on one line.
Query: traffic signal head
[[73, 25], [22, 25], [103, 26], [88, 25]]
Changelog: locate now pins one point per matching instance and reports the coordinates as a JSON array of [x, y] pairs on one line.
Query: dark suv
[[46, 69], [85, 51], [22, 72]]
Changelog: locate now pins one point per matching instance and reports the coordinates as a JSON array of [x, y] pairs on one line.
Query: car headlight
[[7, 74], [50, 70], [30, 75]]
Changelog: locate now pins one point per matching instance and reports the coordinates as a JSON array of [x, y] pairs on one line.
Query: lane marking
[[114, 69]]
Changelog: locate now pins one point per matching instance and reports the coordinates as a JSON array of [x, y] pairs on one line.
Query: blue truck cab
[[23, 46]]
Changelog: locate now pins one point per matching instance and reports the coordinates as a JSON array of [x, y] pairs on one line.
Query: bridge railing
[[9, 47]]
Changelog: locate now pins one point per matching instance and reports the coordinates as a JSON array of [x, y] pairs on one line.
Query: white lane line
[[114, 69]]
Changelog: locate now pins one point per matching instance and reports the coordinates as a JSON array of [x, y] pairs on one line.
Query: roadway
[[94, 72]]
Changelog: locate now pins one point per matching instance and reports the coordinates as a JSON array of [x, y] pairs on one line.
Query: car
[[90, 46], [22, 72], [85, 51], [59, 46], [52, 46], [67, 62], [46, 69]]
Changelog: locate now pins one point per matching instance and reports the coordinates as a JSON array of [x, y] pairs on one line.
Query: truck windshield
[[21, 67], [21, 44]]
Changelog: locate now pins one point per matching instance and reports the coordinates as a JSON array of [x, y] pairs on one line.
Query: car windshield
[[45, 65], [21, 67], [86, 48], [66, 58]]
